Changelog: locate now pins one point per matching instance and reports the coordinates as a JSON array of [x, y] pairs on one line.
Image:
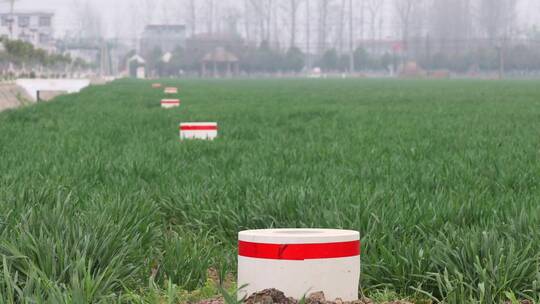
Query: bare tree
[[148, 10], [293, 11], [192, 8], [270, 9], [374, 9], [351, 36], [220, 15], [263, 14], [497, 17], [322, 28], [450, 24], [167, 9], [362, 18], [341, 26], [273, 21], [232, 17], [122, 28], [209, 8], [258, 10], [247, 20], [308, 35], [404, 10], [89, 23]]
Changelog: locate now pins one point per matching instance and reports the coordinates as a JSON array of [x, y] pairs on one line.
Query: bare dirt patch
[[274, 296], [12, 96]]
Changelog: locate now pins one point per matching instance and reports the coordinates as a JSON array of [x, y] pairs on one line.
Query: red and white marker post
[[198, 130], [156, 85], [170, 103], [299, 262], [171, 90]]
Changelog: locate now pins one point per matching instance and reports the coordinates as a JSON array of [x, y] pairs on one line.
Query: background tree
[[294, 60], [322, 27], [341, 25], [374, 10], [293, 6], [450, 25], [88, 22], [209, 8], [329, 60], [351, 36], [262, 10], [308, 34], [192, 8], [404, 11], [497, 18]]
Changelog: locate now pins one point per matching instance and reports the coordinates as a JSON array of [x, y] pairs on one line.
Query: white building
[[164, 37], [33, 27]]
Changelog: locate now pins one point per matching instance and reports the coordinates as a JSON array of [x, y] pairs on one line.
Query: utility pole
[[11, 17], [105, 62], [193, 17], [308, 29], [362, 20], [429, 63], [351, 38], [500, 50]]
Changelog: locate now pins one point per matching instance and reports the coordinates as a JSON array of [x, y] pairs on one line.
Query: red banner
[[298, 251], [198, 128]]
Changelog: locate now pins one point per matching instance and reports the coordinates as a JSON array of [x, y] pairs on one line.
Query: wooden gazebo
[[222, 63]]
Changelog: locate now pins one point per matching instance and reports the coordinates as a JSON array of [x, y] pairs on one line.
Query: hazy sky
[[110, 9], [63, 10]]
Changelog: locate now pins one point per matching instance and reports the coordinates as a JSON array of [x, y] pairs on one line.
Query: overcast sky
[[63, 9], [110, 10]]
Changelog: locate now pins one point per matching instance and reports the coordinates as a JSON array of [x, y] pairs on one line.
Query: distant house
[[136, 66], [381, 47], [87, 50], [88, 54], [164, 37], [33, 27], [206, 42], [221, 62], [202, 48]]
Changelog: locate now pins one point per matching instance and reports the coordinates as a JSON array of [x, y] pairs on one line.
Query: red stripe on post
[[173, 101], [198, 128], [298, 252]]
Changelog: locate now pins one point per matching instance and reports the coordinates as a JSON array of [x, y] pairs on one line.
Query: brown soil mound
[[274, 296]]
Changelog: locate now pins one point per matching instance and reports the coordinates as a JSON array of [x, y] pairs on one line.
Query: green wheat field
[[100, 202]]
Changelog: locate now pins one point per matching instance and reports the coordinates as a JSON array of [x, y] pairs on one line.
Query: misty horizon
[[125, 20]]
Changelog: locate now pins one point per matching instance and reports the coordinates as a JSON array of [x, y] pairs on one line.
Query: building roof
[[137, 58], [166, 57], [216, 37], [220, 55], [29, 13], [165, 27]]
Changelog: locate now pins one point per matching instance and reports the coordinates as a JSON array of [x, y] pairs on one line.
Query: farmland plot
[[99, 197]]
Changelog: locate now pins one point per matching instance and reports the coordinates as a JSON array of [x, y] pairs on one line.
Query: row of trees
[[314, 25], [262, 59], [22, 59], [318, 25], [265, 59], [22, 53], [455, 34]]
